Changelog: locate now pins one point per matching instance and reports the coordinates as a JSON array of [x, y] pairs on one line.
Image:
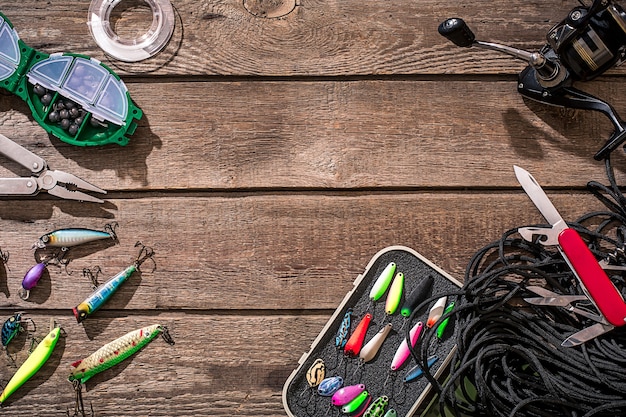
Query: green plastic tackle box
[[300, 399]]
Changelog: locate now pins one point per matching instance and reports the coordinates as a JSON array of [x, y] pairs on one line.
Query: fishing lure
[[35, 273], [344, 330], [354, 405], [436, 311], [417, 371], [316, 373], [102, 293], [416, 296], [382, 282], [371, 348], [12, 326], [35, 361], [116, 351], [65, 238], [329, 386], [377, 407], [442, 327], [403, 351], [354, 344], [395, 294], [347, 394], [391, 413]]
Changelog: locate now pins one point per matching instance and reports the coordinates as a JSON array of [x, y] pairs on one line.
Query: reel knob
[[456, 30]]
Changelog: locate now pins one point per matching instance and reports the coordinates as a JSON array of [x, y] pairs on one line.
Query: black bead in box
[[408, 399]]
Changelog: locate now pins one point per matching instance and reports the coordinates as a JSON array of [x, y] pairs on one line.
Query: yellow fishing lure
[[31, 365]]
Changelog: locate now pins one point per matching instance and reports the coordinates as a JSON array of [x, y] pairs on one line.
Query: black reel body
[[588, 42]]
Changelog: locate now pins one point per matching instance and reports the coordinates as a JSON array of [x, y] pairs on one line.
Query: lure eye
[[45, 238]]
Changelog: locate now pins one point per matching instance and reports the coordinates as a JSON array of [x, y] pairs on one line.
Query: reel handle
[[456, 30]]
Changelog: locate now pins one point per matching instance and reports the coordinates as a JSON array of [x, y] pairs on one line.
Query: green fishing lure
[[116, 351]]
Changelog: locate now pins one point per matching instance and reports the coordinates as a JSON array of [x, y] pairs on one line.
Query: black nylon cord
[[510, 351]]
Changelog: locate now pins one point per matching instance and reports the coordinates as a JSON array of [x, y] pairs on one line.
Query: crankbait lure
[[362, 400], [382, 282], [329, 386], [371, 348], [377, 407], [417, 296], [35, 273], [65, 238], [417, 371], [347, 394], [316, 373], [436, 311], [102, 293], [12, 326], [354, 344], [116, 351], [35, 361], [395, 294], [344, 330], [403, 351]]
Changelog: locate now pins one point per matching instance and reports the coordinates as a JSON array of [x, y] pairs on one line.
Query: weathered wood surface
[[275, 158]]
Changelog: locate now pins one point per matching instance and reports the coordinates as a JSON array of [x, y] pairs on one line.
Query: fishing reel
[[589, 41]]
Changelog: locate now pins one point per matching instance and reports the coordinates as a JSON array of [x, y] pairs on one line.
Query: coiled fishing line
[[509, 360]]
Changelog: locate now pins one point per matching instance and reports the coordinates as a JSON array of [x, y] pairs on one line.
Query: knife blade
[[587, 334], [594, 281]]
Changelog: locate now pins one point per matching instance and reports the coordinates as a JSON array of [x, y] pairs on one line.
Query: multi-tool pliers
[[596, 285], [57, 183]]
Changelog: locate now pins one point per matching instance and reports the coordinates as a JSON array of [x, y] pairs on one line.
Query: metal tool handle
[[21, 155], [598, 285], [18, 186]]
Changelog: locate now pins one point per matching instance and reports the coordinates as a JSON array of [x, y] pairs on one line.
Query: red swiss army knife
[[595, 283]]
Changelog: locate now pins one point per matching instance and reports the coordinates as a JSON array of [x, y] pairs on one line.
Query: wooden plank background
[[275, 158]]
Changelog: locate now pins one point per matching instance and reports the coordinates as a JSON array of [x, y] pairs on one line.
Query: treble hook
[[4, 256], [165, 334], [145, 253], [79, 405], [110, 229], [92, 274]]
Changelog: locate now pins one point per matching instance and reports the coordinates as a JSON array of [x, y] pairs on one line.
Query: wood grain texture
[[276, 157]]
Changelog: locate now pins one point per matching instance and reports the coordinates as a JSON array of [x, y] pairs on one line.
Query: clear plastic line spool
[[131, 50]]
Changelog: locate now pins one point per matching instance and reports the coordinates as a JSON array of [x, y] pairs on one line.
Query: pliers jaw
[[58, 183]]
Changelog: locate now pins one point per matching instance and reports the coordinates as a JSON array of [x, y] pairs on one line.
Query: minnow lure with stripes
[[66, 238], [116, 351], [105, 291]]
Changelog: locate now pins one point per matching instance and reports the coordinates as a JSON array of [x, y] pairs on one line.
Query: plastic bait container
[[406, 398], [110, 114]]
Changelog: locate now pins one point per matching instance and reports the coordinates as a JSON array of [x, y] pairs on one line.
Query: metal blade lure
[[395, 294], [354, 344], [65, 238], [102, 293], [419, 294], [329, 386], [316, 373], [436, 311], [382, 282], [371, 348], [35, 361], [403, 351], [116, 351], [362, 400], [347, 394], [377, 407], [344, 330]]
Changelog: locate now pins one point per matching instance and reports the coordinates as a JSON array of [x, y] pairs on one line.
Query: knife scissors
[[596, 285], [58, 183]]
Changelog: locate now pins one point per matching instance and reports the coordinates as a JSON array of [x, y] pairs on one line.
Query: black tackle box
[[300, 399]]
